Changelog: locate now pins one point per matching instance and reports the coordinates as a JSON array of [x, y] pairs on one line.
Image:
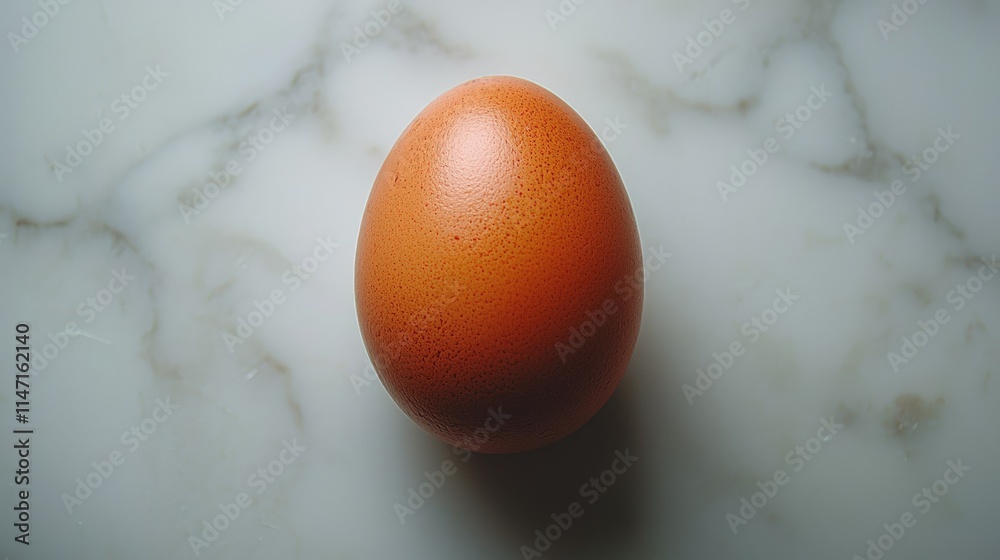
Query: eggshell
[[498, 276]]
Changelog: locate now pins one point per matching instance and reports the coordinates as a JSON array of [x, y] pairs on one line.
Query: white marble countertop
[[813, 377]]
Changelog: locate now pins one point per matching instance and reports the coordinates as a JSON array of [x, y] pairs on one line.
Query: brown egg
[[498, 276]]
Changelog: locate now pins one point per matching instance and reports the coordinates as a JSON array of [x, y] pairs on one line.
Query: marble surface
[[822, 174]]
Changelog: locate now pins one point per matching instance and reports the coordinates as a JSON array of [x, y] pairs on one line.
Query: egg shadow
[[523, 490]]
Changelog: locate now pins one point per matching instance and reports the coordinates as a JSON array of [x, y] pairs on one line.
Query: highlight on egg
[[498, 274]]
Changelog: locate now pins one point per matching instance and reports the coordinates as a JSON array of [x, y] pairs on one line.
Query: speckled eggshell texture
[[498, 276]]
